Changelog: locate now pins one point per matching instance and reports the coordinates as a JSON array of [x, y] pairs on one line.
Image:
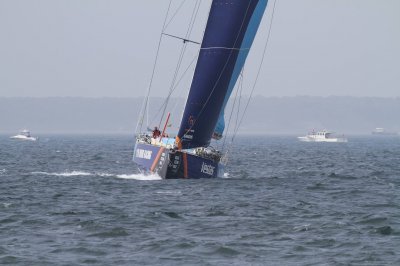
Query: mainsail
[[230, 31]]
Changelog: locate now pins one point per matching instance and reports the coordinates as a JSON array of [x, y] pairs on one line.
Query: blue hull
[[171, 164]]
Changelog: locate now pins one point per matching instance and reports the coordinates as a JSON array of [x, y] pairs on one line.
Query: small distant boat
[[24, 135], [380, 131], [322, 136]]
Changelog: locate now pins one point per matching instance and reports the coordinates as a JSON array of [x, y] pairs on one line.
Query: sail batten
[[230, 31]]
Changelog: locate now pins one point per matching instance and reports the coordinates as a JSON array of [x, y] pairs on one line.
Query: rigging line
[[233, 107], [147, 106], [175, 87], [222, 71], [239, 85], [259, 69], [140, 120], [239, 107], [176, 12], [230, 145], [229, 120], [189, 32], [155, 64], [183, 50], [173, 80]]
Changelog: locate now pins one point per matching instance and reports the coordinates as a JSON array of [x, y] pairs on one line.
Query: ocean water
[[79, 200]]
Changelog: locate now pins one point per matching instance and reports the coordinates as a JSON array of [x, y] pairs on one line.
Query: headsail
[[244, 52], [230, 31]]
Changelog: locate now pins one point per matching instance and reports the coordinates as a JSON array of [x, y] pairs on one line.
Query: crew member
[[156, 133]]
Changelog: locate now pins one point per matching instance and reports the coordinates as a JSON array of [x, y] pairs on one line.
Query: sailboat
[[230, 31]]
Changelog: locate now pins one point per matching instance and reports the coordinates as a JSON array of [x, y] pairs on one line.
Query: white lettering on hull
[[207, 169], [143, 154]]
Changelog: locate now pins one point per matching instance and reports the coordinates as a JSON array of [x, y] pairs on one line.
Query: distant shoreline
[[295, 115]]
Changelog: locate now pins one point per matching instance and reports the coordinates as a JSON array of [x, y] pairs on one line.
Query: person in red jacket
[[156, 133]]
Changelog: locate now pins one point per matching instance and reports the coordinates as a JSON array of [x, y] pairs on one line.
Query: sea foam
[[66, 174], [143, 177]]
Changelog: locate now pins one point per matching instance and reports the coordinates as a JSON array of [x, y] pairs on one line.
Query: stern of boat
[[151, 158]]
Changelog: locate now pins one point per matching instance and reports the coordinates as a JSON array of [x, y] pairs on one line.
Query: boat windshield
[[25, 133]]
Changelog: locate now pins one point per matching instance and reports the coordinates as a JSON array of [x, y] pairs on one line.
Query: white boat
[[379, 131], [321, 136], [24, 135]]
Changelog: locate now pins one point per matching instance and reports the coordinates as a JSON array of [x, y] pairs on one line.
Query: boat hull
[[308, 139], [173, 164], [21, 137]]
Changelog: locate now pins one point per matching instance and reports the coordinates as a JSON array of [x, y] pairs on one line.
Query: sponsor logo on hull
[[207, 169], [143, 154]]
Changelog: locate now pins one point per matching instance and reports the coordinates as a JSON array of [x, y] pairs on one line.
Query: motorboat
[[379, 131], [24, 135], [322, 136]]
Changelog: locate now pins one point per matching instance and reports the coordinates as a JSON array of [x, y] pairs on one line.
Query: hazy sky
[[97, 48]]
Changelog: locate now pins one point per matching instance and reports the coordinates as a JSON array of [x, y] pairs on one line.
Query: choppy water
[[68, 200]]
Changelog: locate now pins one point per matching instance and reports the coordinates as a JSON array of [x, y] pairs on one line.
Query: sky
[[106, 48]]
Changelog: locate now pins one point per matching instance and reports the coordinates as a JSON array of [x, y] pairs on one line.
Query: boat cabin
[[25, 133], [321, 134]]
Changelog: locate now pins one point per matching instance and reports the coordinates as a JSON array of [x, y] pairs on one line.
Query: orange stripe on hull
[[153, 166], [185, 166], [178, 143]]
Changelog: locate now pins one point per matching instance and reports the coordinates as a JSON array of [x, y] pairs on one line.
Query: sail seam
[[225, 48]]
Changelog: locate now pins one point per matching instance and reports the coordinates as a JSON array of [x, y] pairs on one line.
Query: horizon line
[[140, 97]]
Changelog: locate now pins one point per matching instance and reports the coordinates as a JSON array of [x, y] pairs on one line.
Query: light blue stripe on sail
[[244, 51]]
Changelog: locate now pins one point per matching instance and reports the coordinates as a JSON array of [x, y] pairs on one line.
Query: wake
[[140, 177]]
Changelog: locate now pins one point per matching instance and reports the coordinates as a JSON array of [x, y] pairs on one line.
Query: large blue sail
[[243, 53], [230, 31]]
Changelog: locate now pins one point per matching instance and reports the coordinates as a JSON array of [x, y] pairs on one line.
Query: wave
[[142, 177], [6, 204], [2, 171], [66, 174], [302, 228], [170, 192]]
